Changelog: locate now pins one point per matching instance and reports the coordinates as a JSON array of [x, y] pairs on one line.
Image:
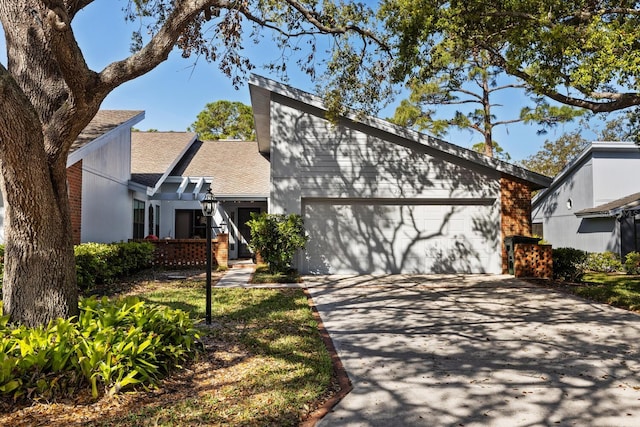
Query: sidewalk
[[239, 277], [236, 277]]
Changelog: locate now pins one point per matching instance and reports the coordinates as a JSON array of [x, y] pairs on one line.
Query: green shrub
[[603, 262], [110, 346], [632, 263], [277, 238], [103, 263], [569, 264]]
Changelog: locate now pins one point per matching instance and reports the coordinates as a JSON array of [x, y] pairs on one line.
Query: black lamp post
[[209, 206]]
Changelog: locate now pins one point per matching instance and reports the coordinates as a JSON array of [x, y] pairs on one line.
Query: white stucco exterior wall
[[107, 204]]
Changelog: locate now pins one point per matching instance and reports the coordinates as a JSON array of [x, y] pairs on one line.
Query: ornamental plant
[[111, 346], [277, 237]]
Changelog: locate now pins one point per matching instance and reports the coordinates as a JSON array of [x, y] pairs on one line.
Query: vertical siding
[[615, 175], [107, 208]]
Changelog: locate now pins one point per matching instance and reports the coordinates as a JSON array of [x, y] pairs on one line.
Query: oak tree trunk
[[39, 274]]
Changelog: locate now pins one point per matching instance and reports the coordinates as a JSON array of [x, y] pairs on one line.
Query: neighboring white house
[[593, 204], [98, 170], [378, 198]]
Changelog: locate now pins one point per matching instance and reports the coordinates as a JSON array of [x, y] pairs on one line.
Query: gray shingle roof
[[103, 122], [612, 208], [237, 168], [154, 153]]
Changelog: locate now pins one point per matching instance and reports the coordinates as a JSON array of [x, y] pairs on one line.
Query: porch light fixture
[[209, 205]]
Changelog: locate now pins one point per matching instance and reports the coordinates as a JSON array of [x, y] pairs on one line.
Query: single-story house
[[170, 171], [378, 198], [124, 184], [593, 204]]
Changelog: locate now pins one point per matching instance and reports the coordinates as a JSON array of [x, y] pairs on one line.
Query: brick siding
[[190, 252], [515, 205], [74, 184], [532, 260]]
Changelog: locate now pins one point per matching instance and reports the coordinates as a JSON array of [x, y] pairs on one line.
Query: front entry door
[[244, 215]]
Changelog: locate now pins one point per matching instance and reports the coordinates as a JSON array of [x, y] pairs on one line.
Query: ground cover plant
[[263, 275], [262, 363], [112, 344]]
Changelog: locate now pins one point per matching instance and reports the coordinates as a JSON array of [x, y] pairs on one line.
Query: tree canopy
[[556, 154], [225, 120], [48, 94], [579, 53], [471, 86]]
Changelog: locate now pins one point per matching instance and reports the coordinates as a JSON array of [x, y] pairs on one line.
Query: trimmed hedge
[[98, 263], [632, 263], [111, 346], [603, 262]]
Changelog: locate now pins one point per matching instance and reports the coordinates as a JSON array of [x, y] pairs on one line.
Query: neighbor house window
[[138, 219]]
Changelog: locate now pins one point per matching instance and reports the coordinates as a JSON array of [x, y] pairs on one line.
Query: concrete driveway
[[478, 351]]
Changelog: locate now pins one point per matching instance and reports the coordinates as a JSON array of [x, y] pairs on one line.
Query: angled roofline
[[100, 141], [630, 203], [262, 88], [165, 175], [595, 146]]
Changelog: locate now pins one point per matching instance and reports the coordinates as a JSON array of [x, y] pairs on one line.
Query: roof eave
[[261, 89], [98, 142]]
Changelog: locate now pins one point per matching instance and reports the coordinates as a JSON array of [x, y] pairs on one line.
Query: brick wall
[[515, 203], [531, 260], [74, 183], [190, 252]]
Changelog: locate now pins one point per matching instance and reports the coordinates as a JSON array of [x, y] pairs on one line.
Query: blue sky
[[175, 92]]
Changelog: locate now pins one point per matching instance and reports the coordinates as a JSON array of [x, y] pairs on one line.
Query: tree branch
[[618, 100]]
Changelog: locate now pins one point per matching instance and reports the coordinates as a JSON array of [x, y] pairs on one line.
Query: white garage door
[[360, 237]]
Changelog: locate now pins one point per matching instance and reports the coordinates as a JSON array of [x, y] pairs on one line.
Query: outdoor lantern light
[[209, 206]]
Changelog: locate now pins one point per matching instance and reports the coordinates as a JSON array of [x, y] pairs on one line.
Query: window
[[138, 219], [157, 221], [190, 224], [151, 220]]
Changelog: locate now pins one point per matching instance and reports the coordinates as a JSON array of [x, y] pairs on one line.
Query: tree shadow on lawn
[[241, 353]]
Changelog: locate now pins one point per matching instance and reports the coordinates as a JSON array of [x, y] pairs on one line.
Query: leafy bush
[[632, 263], [569, 264], [277, 238], [111, 345], [603, 262], [103, 263]]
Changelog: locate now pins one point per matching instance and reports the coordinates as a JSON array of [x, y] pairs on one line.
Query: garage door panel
[[347, 238]]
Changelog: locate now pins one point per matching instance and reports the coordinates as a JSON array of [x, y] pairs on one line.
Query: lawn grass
[[617, 289], [283, 367], [263, 363], [262, 275]]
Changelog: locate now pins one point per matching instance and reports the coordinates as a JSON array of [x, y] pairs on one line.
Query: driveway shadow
[[477, 350]]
